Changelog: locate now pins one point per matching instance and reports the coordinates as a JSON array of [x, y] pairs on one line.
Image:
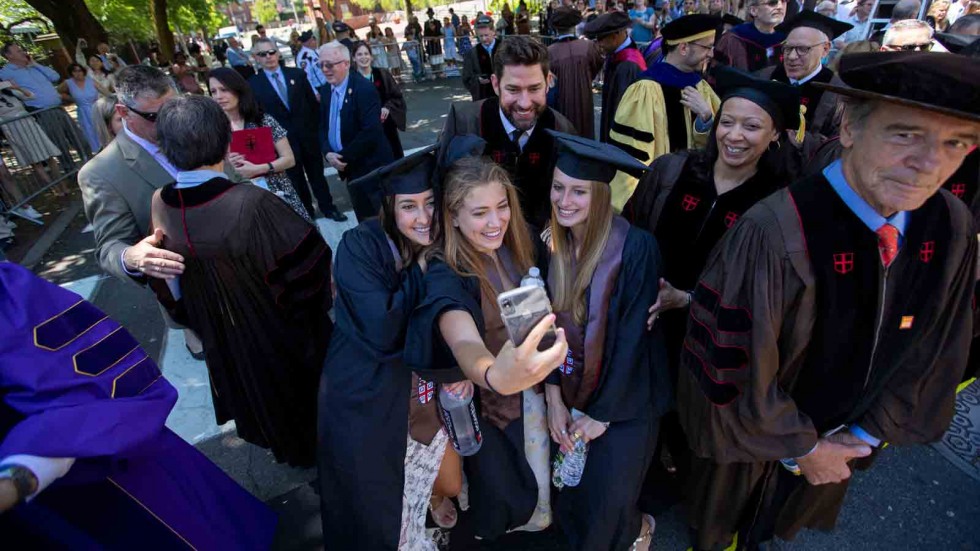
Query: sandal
[[648, 535], [441, 516]]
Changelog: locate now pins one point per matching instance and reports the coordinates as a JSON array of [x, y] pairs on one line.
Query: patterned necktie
[[887, 244], [515, 136], [281, 88]]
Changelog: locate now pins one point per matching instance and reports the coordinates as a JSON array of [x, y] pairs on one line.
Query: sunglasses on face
[[266, 53], [148, 117], [911, 47], [771, 3], [327, 66]]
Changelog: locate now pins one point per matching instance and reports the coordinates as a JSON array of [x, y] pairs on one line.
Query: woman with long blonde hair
[[457, 333], [608, 394]]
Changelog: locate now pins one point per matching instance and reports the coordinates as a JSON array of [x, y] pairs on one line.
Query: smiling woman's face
[[484, 216]]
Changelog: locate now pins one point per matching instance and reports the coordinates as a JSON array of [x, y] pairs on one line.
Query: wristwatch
[[272, 169], [25, 482]]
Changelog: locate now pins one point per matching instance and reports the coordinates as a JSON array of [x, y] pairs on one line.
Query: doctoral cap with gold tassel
[[781, 101]]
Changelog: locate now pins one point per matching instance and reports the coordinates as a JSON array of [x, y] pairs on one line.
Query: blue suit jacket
[[365, 147], [297, 120]]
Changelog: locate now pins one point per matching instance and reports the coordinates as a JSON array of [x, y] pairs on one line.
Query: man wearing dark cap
[[624, 62], [342, 32], [309, 61], [478, 64], [575, 64], [670, 107], [808, 42], [754, 45], [835, 315], [513, 123]]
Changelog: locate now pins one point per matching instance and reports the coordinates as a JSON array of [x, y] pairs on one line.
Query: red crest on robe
[[958, 189], [843, 262], [534, 158], [498, 157], [690, 202], [927, 250], [730, 219]]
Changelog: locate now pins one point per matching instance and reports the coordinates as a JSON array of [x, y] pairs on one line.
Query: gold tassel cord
[[801, 133]]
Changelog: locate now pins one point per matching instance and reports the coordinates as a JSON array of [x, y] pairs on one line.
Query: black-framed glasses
[[266, 53], [327, 66], [801, 51], [148, 117], [771, 3]]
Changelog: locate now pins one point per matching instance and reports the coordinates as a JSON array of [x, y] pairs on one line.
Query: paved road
[[912, 499]]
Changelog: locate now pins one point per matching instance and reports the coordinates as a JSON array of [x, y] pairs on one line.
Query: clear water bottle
[[459, 417], [567, 468], [533, 278]]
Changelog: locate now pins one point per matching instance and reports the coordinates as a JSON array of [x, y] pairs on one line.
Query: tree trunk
[[164, 35], [72, 20]]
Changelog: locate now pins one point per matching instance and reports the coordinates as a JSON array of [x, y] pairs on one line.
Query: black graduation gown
[[392, 99], [503, 492], [363, 407], [616, 78], [632, 392]]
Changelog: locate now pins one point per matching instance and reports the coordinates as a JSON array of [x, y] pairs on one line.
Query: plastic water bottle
[[459, 417], [568, 467], [533, 278]]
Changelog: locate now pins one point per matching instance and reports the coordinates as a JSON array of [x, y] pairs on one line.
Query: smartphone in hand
[[521, 309]]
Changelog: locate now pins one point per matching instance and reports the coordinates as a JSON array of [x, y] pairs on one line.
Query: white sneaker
[[29, 212]]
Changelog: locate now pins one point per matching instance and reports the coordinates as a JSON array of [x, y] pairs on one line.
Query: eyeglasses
[[149, 117], [771, 3], [266, 53], [327, 66], [925, 47], [700, 45], [801, 51]]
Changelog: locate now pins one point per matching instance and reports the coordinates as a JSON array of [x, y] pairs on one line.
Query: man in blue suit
[[351, 135], [286, 95]]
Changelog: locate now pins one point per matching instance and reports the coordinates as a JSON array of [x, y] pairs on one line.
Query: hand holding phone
[[521, 309]]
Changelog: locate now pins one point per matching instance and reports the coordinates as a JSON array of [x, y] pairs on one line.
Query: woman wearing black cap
[[613, 385], [365, 406], [690, 199]]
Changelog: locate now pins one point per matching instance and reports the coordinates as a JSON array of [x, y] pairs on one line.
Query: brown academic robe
[[576, 63], [765, 371], [256, 288]]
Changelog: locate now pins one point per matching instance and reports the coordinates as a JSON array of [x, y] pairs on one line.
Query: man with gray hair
[[285, 94], [118, 184], [910, 35]]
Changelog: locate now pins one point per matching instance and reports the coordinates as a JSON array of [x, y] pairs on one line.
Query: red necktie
[[887, 244]]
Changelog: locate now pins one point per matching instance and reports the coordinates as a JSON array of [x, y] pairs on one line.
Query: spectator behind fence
[[29, 143], [391, 50], [285, 93], [393, 108], [236, 99], [106, 120], [238, 58], [185, 75], [39, 81], [83, 90], [351, 134], [256, 288]]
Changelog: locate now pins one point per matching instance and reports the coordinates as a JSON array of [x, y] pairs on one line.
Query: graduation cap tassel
[[801, 132]]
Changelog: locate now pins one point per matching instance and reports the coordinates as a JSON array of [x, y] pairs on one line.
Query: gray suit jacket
[[117, 189]]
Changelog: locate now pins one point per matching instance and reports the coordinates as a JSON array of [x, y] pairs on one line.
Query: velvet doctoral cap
[[607, 24], [586, 159], [963, 44], [934, 81], [806, 18], [565, 18], [690, 28], [780, 100]]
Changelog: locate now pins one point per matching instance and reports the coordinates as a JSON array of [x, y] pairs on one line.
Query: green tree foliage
[[265, 11]]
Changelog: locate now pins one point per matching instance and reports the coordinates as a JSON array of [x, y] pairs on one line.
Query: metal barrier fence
[[39, 151]]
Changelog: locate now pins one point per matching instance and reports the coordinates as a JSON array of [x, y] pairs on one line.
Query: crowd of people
[[761, 266]]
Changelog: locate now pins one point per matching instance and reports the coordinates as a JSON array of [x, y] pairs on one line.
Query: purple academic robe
[[74, 383]]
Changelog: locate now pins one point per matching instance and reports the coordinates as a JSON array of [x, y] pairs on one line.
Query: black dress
[[393, 100]]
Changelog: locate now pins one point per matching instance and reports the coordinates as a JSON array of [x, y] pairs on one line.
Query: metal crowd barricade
[[38, 151]]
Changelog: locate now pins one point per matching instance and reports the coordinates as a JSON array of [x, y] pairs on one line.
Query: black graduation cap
[[340, 27], [591, 160], [780, 100], [963, 44], [606, 24], [408, 175], [565, 18], [690, 28], [807, 18], [733, 20], [909, 78]]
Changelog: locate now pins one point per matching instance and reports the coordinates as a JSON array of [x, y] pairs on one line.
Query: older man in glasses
[[351, 135], [910, 35], [754, 45], [286, 94]]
